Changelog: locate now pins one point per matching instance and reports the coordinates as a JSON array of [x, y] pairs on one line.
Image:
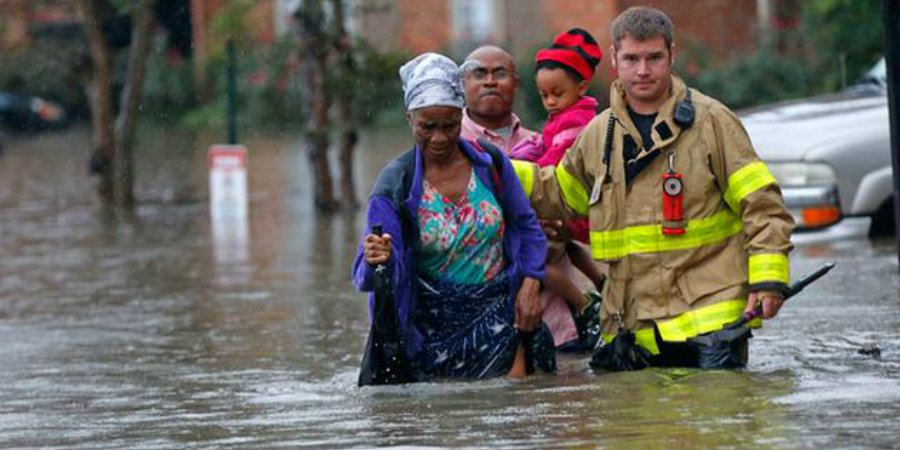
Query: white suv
[[831, 155]]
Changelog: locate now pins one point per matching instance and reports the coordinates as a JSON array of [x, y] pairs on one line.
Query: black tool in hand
[[385, 360], [794, 289]]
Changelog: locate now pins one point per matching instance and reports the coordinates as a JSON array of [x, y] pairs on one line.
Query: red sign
[[227, 157]]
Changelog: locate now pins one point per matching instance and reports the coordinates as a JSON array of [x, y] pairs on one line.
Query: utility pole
[[763, 18], [892, 60]]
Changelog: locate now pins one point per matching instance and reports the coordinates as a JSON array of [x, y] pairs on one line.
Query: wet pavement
[[144, 331]]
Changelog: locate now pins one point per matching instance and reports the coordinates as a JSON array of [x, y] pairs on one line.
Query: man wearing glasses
[[490, 92]]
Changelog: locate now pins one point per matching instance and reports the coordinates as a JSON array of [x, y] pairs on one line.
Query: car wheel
[[883, 221]]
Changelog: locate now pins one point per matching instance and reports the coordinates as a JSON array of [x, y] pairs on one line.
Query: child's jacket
[[559, 134], [562, 129]]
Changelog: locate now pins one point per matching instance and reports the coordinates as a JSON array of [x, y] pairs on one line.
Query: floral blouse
[[461, 242]]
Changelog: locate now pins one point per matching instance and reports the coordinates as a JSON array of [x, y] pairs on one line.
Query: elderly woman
[[464, 248]]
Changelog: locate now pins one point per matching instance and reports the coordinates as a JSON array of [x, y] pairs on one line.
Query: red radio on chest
[[673, 200]]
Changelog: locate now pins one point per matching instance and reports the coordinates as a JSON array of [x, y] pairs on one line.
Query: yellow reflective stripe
[[650, 239], [525, 172], [745, 181], [769, 267], [644, 337], [574, 194], [703, 320]]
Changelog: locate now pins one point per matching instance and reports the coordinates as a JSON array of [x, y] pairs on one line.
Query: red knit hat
[[575, 49]]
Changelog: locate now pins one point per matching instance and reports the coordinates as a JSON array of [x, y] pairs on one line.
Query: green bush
[[168, 85], [761, 77], [271, 88], [835, 29], [377, 90]]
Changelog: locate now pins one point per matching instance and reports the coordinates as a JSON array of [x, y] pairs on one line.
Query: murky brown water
[[144, 332]]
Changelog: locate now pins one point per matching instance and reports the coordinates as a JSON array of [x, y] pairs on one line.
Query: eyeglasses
[[498, 74]]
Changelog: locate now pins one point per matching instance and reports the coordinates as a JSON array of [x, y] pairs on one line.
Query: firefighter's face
[[644, 68]]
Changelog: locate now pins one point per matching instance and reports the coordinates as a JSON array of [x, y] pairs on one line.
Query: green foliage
[[528, 106], [809, 61], [762, 77], [269, 88], [229, 23], [377, 91], [168, 85], [852, 28]]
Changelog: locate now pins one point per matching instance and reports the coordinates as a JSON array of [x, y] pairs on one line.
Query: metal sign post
[[232, 93], [228, 203]]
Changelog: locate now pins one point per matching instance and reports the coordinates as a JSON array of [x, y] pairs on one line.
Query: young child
[[562, 74]]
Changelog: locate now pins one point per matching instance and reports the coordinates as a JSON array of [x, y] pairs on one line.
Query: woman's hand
[[377, 250], [528, 306]]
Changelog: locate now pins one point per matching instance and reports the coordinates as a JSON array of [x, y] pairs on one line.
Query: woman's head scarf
[[431, 79]]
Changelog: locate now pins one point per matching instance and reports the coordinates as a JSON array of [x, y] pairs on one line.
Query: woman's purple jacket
[[524, 243]]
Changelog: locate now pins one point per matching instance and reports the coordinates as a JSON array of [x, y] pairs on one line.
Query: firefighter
[[686, 219]]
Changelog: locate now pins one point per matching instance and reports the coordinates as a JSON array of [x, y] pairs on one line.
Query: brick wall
[[524, 15], [18, 18], [594, 16], [13, 24], [378, 22], [727, 27], [423, 25]]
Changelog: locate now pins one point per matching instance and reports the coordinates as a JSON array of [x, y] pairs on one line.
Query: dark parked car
[[25, 113], [831, 156]]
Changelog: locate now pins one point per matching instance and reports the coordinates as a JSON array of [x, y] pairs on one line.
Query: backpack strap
[[497, 167], [395, 182]]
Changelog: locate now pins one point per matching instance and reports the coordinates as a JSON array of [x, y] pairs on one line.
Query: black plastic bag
[[621, 354], [721, 349], [385, 360]]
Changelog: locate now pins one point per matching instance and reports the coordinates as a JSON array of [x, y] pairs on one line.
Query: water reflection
[[133, 332]]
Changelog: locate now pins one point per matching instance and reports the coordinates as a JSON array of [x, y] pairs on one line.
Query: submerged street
[[151, 331]]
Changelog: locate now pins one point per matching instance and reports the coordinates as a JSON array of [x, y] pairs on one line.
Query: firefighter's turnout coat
[[737, 229]]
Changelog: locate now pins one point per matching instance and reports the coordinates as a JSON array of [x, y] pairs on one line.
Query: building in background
[[23, 20], [726, 27]]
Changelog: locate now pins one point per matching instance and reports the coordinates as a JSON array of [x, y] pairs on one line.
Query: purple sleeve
[[533, 248], [380, 211]]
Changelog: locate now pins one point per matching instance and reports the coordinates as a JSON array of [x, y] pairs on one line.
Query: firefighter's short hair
[[643, 23]]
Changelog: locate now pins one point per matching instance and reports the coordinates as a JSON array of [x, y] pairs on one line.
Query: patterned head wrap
[[431, 79]]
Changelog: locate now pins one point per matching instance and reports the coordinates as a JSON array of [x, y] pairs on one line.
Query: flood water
[[147, 331]]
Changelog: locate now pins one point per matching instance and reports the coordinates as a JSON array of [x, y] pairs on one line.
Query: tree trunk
[[126, 122], [113, 137], [315, 55], [346, 69], [100, 96]]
